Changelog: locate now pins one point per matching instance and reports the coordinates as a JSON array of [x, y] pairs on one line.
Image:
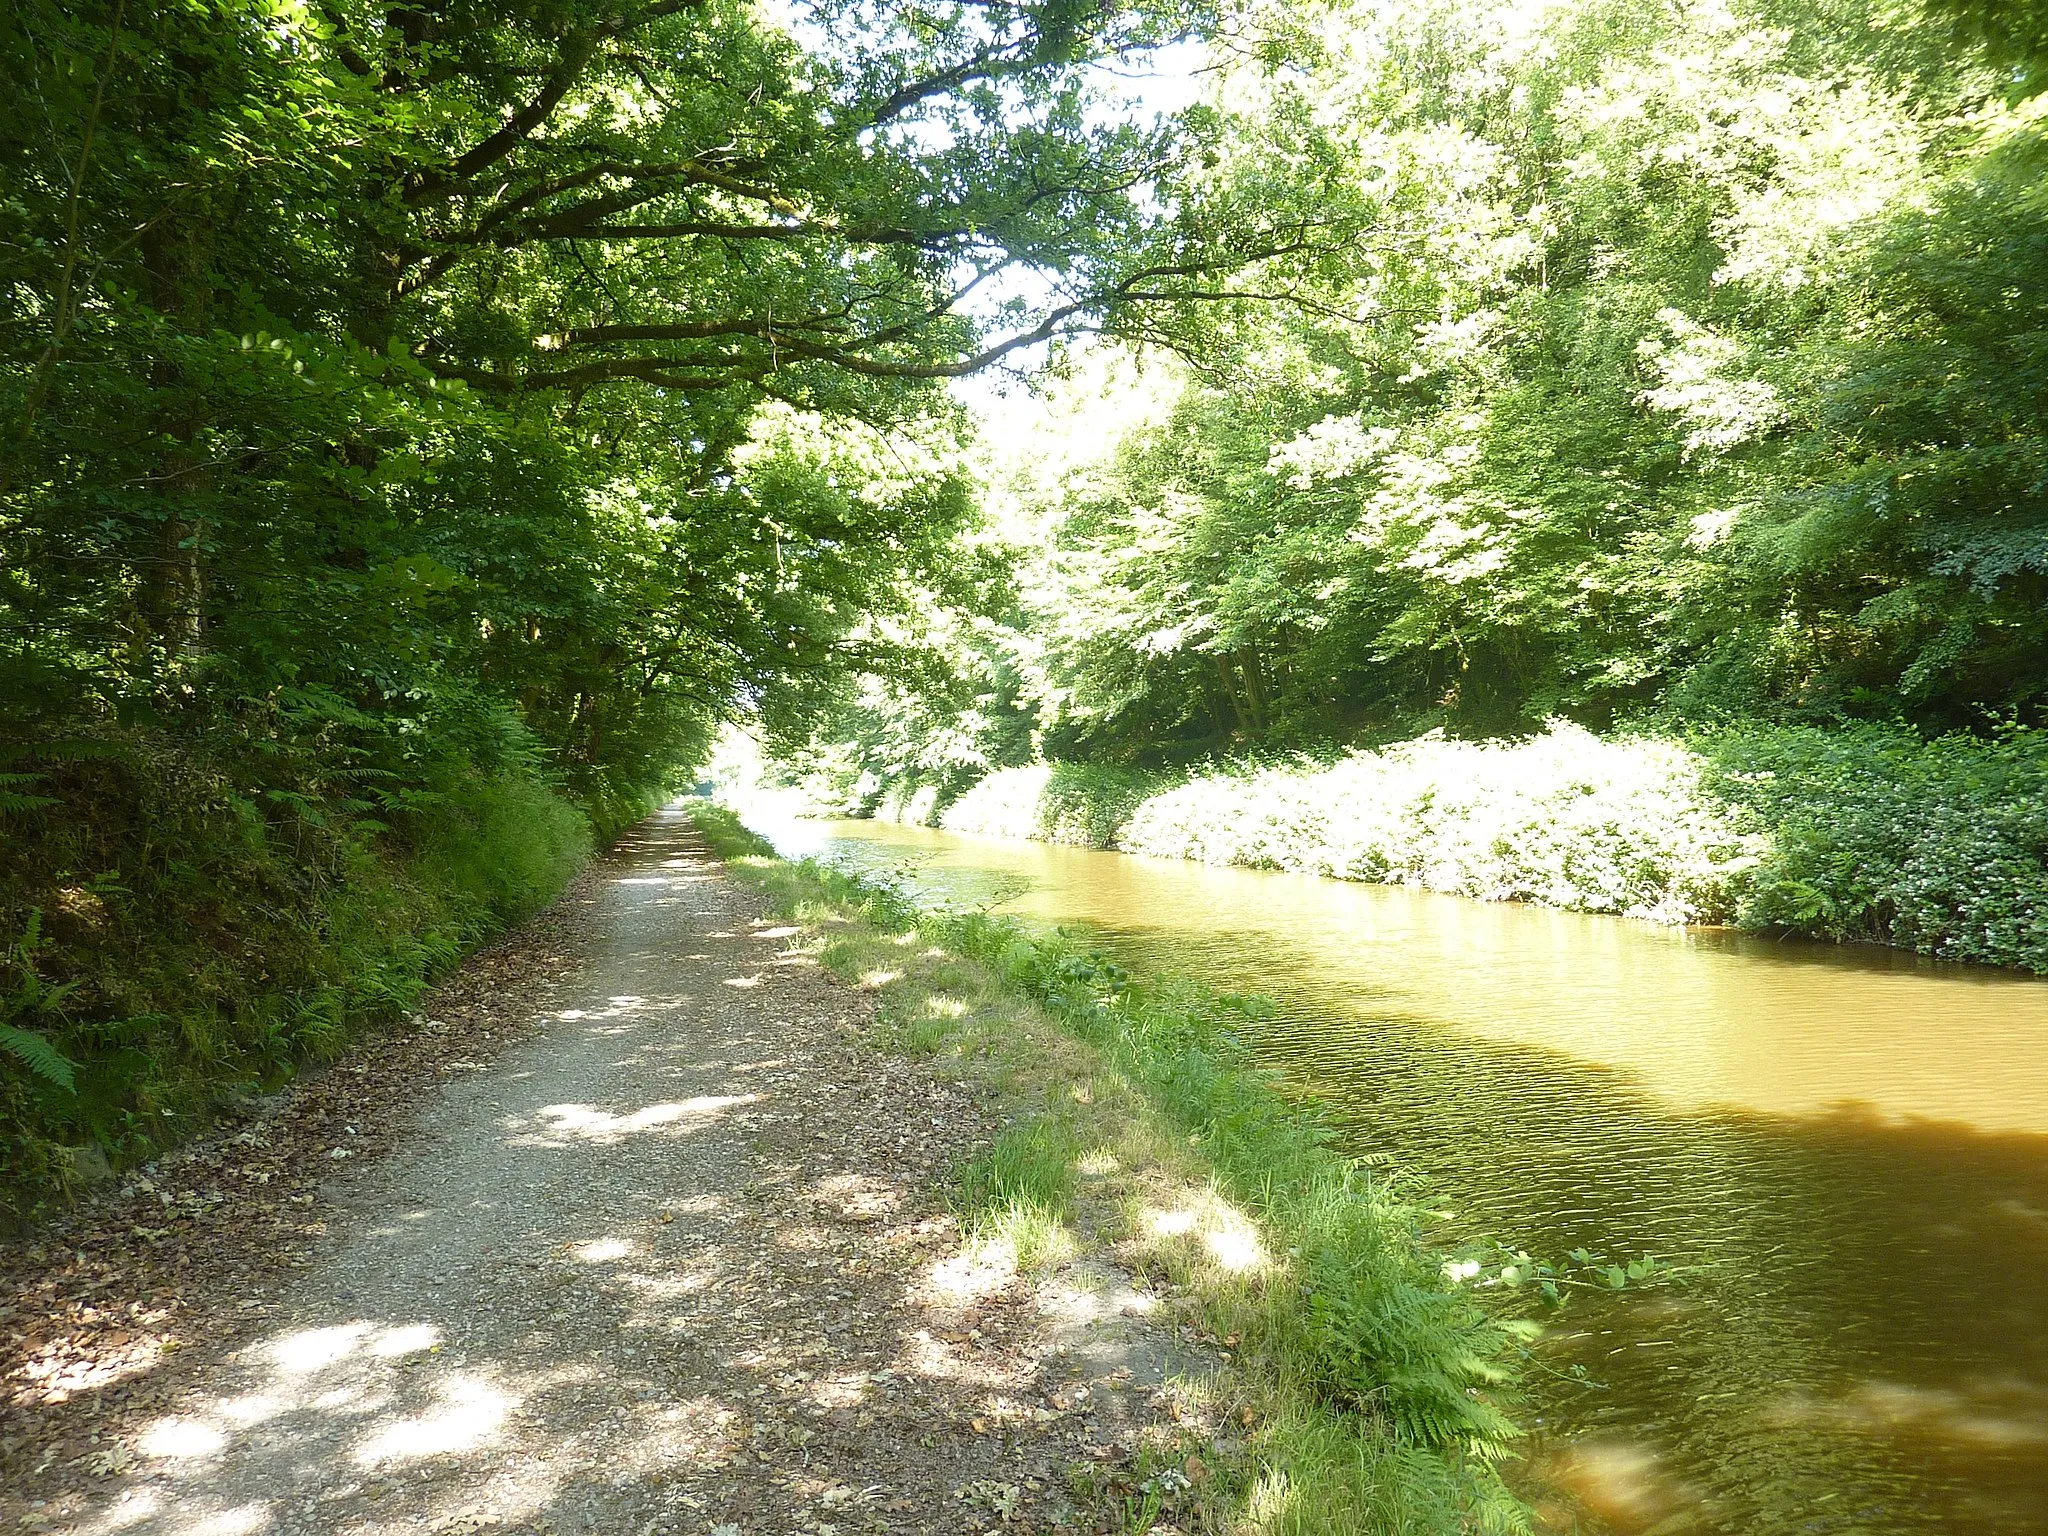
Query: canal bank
[[1847, 1149], [1365, 1386]]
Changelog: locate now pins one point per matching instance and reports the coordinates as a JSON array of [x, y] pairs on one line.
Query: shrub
[[1565, 819], [1082, 804], [1864, 832], [1938, 846]]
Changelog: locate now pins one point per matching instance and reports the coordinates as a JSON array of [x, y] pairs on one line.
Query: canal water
[[1846, 1150]]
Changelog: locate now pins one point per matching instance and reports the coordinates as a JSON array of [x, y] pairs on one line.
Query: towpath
[[632, 1232]]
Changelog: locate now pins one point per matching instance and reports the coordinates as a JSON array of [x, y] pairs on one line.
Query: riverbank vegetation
[[1687, 394], [1365, 1389], [1852, 832]]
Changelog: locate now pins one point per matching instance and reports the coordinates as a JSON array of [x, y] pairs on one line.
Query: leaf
[[40, 1056]]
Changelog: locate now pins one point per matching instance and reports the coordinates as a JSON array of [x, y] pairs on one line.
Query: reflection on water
[[1852, 1144]]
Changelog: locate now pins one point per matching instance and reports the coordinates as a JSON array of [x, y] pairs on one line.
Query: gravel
[[631, 1232]]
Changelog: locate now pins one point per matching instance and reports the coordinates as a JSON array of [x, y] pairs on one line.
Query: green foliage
[[1019, 1191], [1690, 385], [1694, 366], [727, 835], [174, 934], [1031, 1164], [1939, 846], [1398, 1363], [422, 429], [1389, 1384], [28, 995]]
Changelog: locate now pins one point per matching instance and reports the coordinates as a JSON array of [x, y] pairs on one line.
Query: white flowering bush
[[1858, 833], [1005, 804], [1082, 804], [910, 805], [1567, 819]]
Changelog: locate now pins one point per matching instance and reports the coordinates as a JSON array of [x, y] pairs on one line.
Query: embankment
[[172, 937], [1870, 834]]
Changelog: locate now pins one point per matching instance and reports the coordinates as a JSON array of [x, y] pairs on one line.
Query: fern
[[40, 1056], [15, 800], [29, 994]]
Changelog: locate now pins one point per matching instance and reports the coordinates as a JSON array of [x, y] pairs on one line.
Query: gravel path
[[673, 1261]]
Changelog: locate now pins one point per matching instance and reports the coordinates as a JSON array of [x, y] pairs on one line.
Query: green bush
[[1938, 846]]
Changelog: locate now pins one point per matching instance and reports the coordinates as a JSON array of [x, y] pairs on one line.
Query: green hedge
[[1938, 846]]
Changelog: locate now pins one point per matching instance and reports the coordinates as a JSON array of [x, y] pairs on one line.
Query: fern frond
[[14, 796], [39, 1056]]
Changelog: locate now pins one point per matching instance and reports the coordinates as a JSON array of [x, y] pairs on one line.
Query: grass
[[1366, 1392]]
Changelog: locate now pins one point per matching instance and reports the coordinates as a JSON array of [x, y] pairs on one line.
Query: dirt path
[[674, 1261]]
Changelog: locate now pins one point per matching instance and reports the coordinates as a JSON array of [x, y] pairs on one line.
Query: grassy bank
[[170, 939], [1363, 1395], [1866, 833]]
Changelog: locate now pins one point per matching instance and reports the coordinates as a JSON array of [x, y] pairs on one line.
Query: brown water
[[1850, 1147]]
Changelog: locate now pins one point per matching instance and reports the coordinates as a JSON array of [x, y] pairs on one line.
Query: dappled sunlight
[[846, 1389], [59, 1382], [391, 1343], [1208, 1227], [137, 1506], [624, 1016], [467, 1412], [743, 982], [874, 980], [850, 1197], [1077, 1303], [252, 1408], [309, 1407], [606, 1250], [979, 1270], [310, 1349], [567, 1123], [181, 1439], [598, 1340], [245, 1520], [1621, 1482]]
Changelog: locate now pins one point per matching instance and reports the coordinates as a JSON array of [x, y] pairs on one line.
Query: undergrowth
[[171, 936], [1368, 1394]]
